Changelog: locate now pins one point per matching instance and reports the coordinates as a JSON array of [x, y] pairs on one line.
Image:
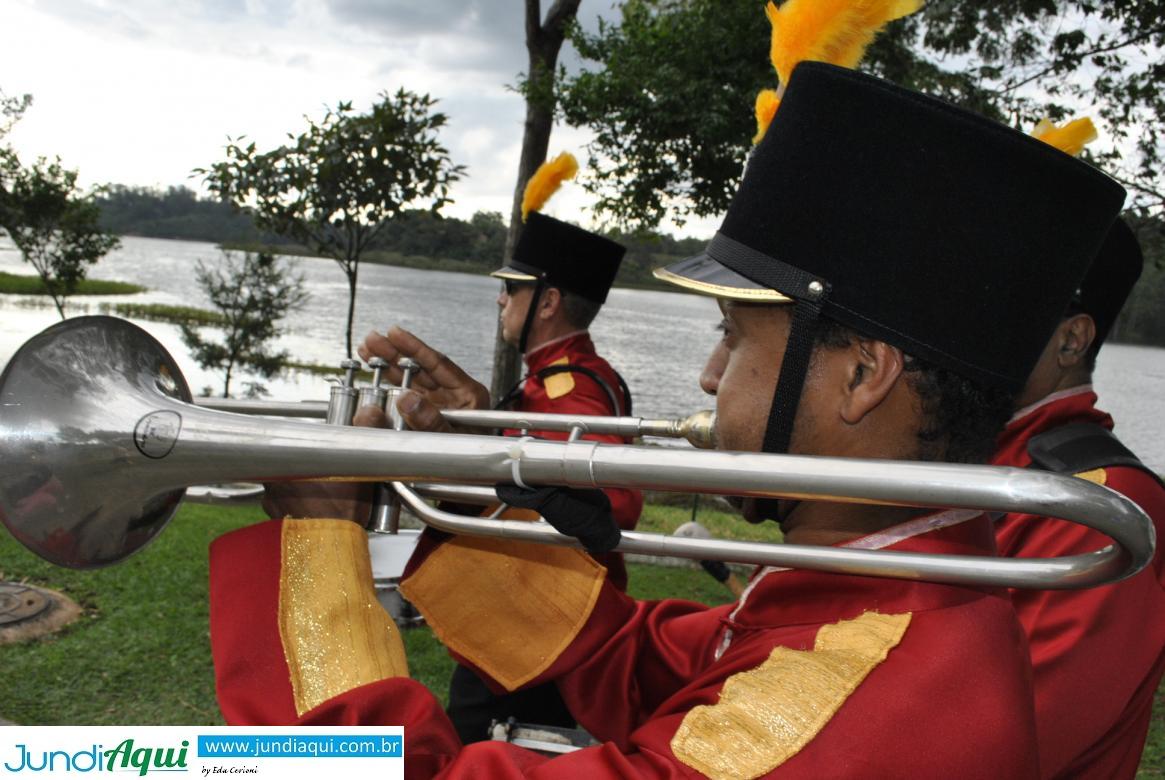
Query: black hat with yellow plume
[[565, 255], [552, 253], [1115, 270], [913, 221]]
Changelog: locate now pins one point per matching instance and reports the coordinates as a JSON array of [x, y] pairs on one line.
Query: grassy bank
[[141, 653], [15, 284]]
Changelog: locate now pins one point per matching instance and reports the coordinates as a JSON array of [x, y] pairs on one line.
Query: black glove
[[583, 514], [718, 570]]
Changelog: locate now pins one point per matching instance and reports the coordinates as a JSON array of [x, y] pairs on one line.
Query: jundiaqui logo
[[126, 757]]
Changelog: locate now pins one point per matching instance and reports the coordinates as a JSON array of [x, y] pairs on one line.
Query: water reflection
[[657, 340]]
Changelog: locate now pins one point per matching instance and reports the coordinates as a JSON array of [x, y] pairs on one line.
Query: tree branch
[[1085, 55], [559, 14]]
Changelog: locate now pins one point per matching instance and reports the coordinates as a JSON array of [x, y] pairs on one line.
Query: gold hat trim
[[722, 290]]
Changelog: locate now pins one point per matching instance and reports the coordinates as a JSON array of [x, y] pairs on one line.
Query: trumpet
[[100, 439], [697, 429]]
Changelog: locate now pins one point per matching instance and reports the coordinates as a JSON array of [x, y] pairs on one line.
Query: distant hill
[[416, 238]]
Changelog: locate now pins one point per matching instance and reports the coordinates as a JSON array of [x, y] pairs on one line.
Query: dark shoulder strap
[[515, 391], [1077, 447]]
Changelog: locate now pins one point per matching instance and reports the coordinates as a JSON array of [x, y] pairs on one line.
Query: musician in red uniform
[[853, 325], [1098, 654], [553, 288]]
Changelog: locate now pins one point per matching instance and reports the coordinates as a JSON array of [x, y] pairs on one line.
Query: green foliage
[[16, 284], [53, 225], [670, 105], [253, 297], [334, 187], [175, 212], [671, 92]]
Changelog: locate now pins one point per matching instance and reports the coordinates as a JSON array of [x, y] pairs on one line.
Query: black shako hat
[[564, 256], [1109, 280], [913, 221]]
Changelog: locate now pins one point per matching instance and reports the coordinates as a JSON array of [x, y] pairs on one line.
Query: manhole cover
[[21, 602], [28, 612]]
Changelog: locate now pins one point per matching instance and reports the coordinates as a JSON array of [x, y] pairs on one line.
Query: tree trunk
[[353, 271], [543, 42]]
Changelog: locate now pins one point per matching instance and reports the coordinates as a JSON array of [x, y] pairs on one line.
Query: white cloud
[[140, 92]]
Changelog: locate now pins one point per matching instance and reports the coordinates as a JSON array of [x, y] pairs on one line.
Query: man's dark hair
[[580, 312], [961, 417]]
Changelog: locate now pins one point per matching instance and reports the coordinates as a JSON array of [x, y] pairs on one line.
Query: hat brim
[[705, 275], [513, 274]]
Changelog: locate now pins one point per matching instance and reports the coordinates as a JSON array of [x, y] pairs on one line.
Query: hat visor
[[513, 274], [707, 276]]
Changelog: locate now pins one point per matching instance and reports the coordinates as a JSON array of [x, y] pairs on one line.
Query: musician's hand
[[583, 514], [438, 379], [325, 500], [333, 500]]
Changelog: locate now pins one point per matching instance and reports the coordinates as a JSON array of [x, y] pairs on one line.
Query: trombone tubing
[[629, 427], [217, 447]]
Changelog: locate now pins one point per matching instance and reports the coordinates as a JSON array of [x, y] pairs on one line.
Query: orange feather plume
[[1069, 138], [546, 181], [834, 31], [766, 108]]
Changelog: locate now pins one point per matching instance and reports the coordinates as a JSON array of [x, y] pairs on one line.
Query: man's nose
[[713, 370]]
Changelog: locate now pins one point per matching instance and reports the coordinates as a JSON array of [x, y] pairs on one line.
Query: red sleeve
[[1099, 645], [253, 686], [588, 400], [251, 675]]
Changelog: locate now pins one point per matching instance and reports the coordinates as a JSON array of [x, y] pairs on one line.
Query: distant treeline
[[416, 238], [421, 239]]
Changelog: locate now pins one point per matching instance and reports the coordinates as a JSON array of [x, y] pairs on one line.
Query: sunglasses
[[513, 285]]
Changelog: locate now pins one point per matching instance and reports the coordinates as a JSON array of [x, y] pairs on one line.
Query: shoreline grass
[[19, 284]]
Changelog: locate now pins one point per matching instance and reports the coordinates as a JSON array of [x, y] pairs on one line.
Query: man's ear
[[873, 369], [1076, 335], [549, 303]]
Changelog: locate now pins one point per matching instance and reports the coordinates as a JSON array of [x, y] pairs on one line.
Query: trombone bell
[[72, 435]]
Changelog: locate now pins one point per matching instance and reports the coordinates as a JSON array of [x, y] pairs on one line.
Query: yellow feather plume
[[1070, 138], [834, 31], [766, 108], [546, 181]]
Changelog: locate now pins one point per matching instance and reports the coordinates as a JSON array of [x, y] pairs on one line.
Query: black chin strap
[[530, 314], [794, 367]]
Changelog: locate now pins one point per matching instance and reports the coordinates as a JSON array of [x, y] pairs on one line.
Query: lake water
[[657, 340]]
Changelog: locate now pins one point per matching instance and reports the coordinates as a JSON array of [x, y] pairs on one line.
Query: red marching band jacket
[[809, 675], [1098, 654], [576, 393]]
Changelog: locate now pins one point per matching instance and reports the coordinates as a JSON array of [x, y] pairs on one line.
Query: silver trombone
[[99, 441]]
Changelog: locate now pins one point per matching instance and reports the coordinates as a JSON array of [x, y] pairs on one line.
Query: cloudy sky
[[140, 92]]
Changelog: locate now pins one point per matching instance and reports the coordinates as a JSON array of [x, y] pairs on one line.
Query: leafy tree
[[335, 186], [671, 92], [52, 223], [253, 297]]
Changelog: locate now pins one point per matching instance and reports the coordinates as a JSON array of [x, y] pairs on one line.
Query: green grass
[[161, 312], [14, 284], [141, 653], [665, 519]]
